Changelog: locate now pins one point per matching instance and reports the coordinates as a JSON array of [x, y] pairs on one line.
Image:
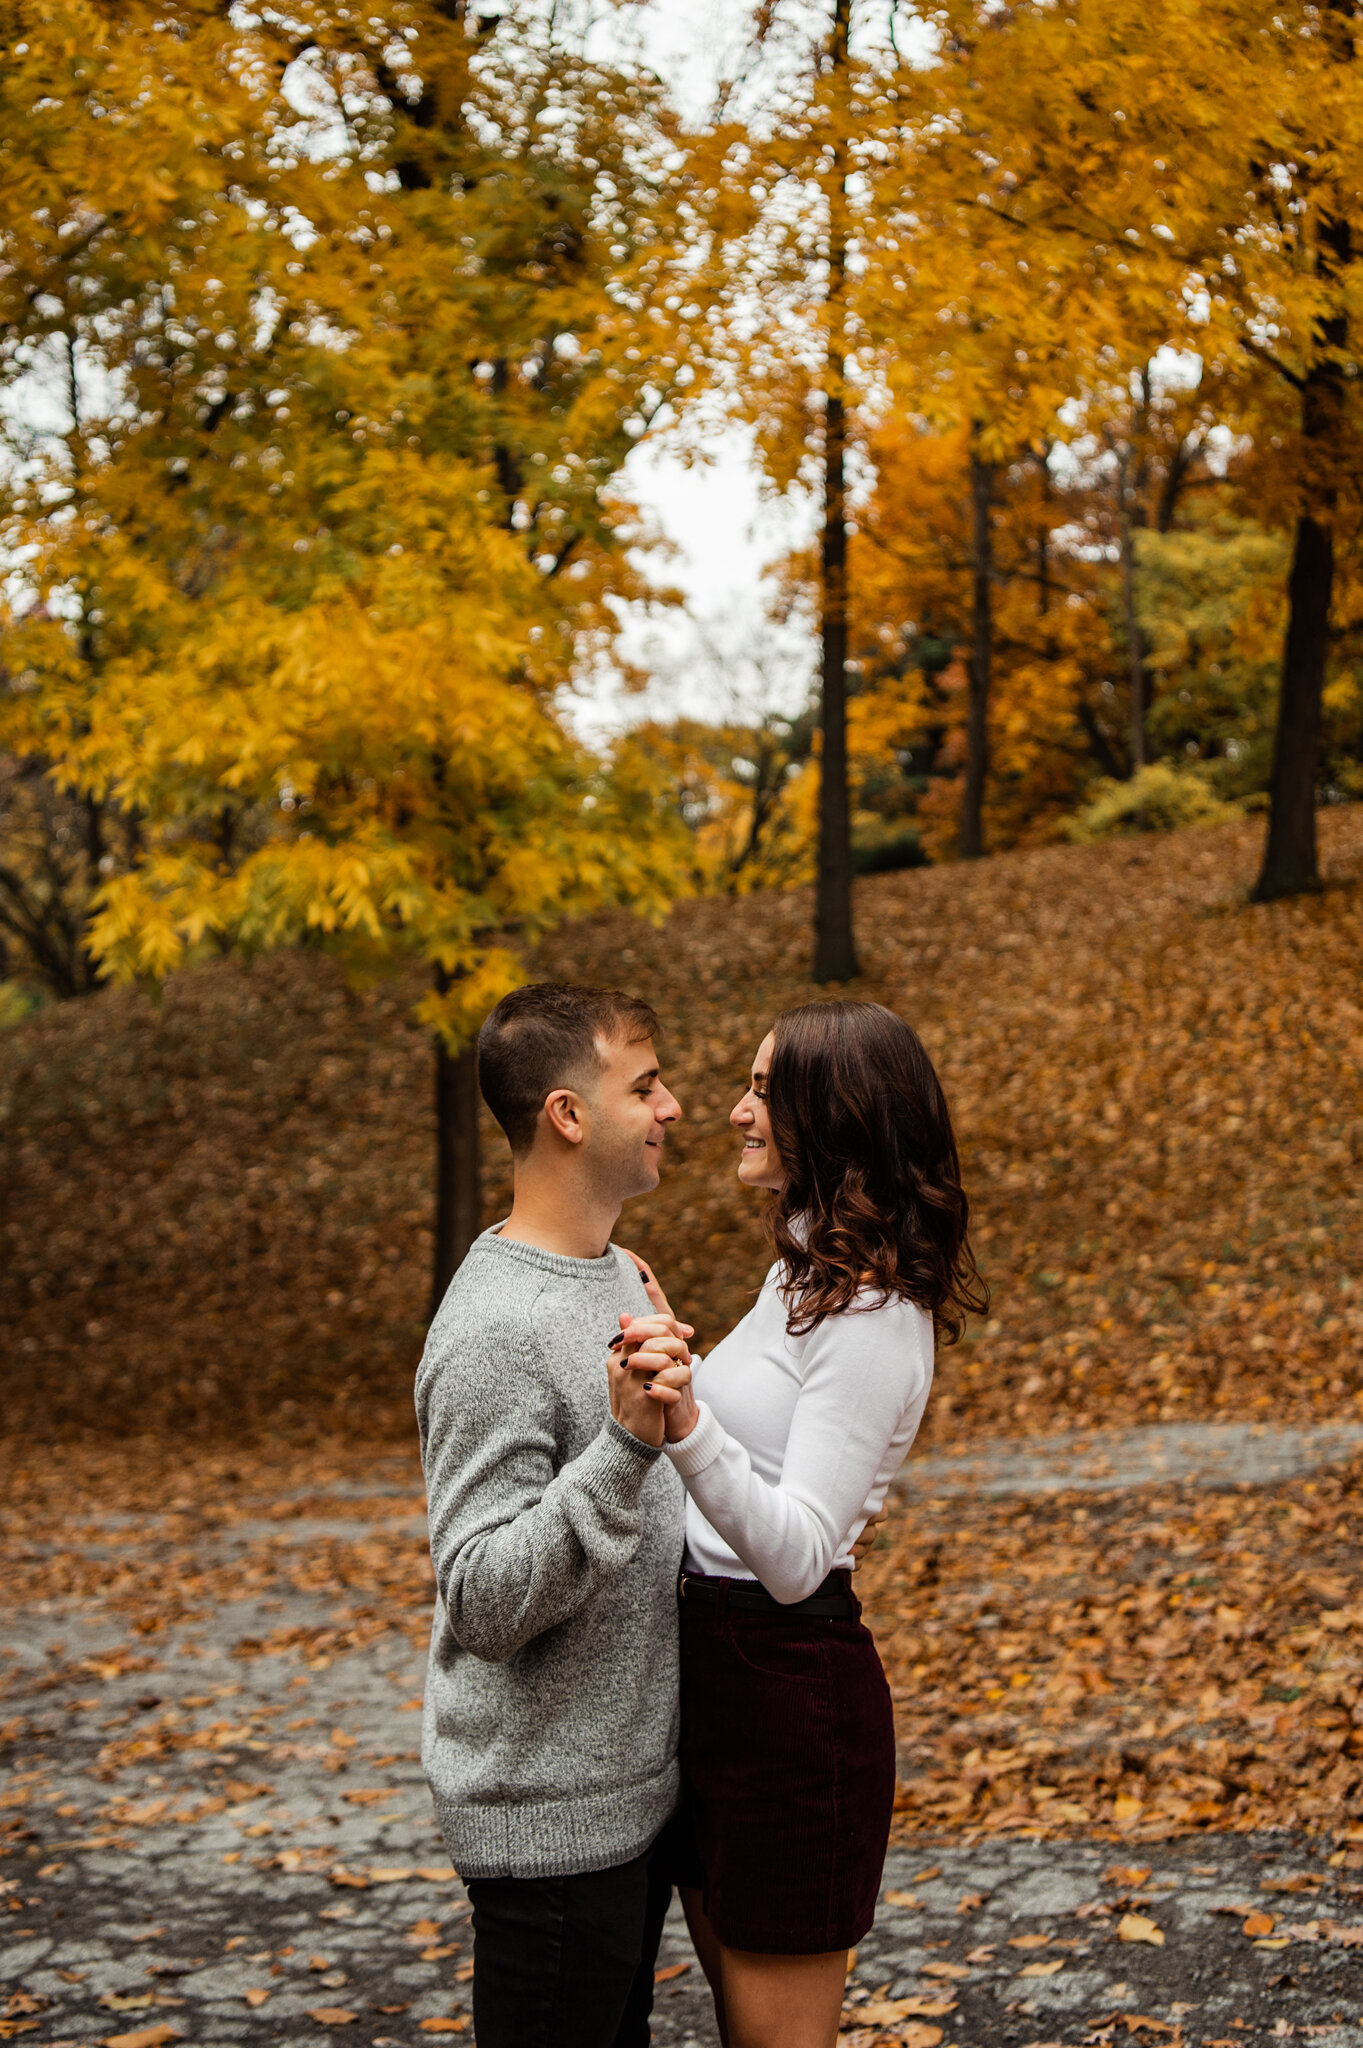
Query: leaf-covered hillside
[[216, 1211]]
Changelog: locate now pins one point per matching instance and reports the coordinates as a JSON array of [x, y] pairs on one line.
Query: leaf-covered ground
[[216, 1209], [1158, 1661]]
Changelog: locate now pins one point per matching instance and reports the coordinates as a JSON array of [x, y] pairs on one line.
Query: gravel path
[[219, 1833]]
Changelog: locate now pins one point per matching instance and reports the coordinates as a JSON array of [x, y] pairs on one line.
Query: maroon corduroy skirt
[[788, 1774]]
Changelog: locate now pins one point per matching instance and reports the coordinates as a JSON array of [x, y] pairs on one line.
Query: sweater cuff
[[691, 1456], [615, 1465]]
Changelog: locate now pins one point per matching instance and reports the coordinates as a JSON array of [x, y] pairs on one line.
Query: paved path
[[1108, 1461], [220, 1830]]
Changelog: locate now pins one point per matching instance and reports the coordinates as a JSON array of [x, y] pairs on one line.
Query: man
[[550, 1730]]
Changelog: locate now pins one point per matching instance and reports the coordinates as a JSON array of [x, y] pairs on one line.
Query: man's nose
[[669, 1110]]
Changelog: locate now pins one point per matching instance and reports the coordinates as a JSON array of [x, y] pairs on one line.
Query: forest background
[[327, 338]]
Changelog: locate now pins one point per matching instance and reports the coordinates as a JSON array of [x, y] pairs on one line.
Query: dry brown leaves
[[216, 1210], [1150, 1665]]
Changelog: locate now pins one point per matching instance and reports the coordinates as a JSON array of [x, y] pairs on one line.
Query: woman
[[787, 1437]]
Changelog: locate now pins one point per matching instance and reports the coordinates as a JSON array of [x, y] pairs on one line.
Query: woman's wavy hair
[[873, 1197]]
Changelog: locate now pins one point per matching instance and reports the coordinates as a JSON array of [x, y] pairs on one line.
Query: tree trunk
[[835, 956], [457, 1197], [1135, 646], [1290, 862], [971, 844], [1290, 852]]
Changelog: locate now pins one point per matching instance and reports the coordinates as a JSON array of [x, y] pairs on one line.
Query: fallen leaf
[[1029, 1941], [1135, 1927], [352, 1878], [144, 2037], [424, 1930], [1130, 1876], [445, 2026], [916, 2035], [332, 2016], [971, 1902], [391, 1873], [879, 2012], [1259, 1924], [1141, 2023], [440, 1951], [255, 1996], [1042, 1969], [1347, 1937], [370, 1795], [908, 1900], [669, 1971], [923, 1876], [952, 1970]]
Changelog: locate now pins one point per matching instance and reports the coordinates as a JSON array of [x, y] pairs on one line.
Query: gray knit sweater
[[550, 1730]]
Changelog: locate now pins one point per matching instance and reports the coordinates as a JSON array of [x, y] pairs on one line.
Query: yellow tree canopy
[[357, 321]]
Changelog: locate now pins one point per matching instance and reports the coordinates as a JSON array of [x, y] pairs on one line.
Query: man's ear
[[566, 1112]]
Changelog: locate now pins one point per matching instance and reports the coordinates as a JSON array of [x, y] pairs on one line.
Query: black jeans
[[567, 1962]]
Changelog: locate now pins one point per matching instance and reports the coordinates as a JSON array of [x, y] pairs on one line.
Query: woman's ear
[[566, 1112]]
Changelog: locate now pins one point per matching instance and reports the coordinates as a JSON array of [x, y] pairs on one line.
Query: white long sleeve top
[[798, 1438]]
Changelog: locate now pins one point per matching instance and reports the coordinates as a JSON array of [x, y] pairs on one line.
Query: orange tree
[[1202, 164]]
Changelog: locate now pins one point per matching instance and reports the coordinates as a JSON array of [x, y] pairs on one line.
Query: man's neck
[[559, 1217]]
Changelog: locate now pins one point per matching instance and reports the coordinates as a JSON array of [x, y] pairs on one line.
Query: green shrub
[[1161, 798]]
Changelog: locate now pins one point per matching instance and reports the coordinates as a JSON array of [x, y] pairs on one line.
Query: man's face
[[629, 1111]]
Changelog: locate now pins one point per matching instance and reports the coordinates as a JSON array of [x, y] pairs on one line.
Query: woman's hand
[[670, 1386], [652, 1284], [661, 1331]]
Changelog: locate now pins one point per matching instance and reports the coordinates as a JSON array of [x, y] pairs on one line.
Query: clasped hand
[[650, 1378]]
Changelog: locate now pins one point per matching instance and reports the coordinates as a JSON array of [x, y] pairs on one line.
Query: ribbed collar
[[604, 1268]]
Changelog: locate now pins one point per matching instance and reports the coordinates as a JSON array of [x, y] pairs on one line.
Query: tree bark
[[1131, 626], [835, 956], [1290, 863], [457, 1195], [971, 843]]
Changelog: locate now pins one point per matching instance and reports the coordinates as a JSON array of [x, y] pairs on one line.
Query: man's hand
[[631, 1404], [867, 1539]]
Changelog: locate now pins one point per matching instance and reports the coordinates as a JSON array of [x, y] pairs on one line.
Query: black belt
[[833, 1602]]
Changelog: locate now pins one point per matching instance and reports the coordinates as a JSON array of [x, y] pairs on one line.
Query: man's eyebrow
[[649, 1074]]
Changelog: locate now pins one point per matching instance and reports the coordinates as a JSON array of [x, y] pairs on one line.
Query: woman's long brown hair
[[873, 1200]]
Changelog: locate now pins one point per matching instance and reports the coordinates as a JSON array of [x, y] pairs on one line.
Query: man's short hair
[[544, 1037]]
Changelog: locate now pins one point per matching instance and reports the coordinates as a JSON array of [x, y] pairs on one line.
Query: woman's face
[[759, 1163]]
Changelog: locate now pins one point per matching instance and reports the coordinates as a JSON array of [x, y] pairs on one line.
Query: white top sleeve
[[864, 1381]]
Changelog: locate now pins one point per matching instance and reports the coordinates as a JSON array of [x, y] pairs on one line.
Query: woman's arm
[[866, 1382]]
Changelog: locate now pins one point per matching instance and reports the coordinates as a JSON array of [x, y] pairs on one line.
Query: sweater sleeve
[[864, 1373], [518, 1547]]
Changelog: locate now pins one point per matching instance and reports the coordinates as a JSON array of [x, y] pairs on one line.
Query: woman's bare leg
[[709, 1951], [782, 2001]]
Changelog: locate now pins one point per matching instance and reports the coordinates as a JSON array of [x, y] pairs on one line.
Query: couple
[[591, 1739]]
